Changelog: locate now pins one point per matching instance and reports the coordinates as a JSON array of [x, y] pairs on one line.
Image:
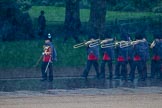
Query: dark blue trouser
[[141, 67], [161, 69], [123, 71], [155, 68], [88, 67], [50, 68], [130, 63], [109, 63]]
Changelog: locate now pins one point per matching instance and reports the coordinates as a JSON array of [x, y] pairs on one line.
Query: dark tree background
[[97, 18], [15, 24], [72, 22]]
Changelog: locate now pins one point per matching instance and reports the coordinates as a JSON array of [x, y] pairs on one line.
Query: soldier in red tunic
[[49, 55], [122, 59], [92, 59], [107, 57], [140, 57], [156, 47]]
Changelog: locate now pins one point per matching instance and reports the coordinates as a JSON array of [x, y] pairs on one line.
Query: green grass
[[26, 54], [58, 14], [52, 13]]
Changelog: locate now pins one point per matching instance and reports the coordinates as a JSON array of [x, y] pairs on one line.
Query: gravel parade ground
[[140, 97]]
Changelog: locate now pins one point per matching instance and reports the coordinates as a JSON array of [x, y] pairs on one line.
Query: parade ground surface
[[76, 92]]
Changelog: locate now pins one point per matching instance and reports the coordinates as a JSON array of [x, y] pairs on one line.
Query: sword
[[48, 65]]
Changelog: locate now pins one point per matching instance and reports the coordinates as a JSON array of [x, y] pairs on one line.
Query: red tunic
[[137, 58], [47, 55], [156, 58], [120, 59], [106, 57], [91, 56]]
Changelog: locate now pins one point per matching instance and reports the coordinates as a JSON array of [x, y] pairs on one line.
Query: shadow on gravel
[[70, 83]]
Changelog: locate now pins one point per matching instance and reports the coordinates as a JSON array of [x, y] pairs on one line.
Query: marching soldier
[[130, 55], [92, 59], [140, 57], [107, 57], [156, 47], [122, 58], [49, 55]]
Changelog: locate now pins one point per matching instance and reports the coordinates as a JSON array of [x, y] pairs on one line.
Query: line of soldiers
[[136, 56]]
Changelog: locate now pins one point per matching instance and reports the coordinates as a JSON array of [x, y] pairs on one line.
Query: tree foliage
[[133, 5], [24, 5], [14, 24], [97, 18], [72, 16]]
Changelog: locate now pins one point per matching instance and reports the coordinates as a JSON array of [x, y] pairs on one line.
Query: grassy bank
[[26, 54], [58, 14]]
